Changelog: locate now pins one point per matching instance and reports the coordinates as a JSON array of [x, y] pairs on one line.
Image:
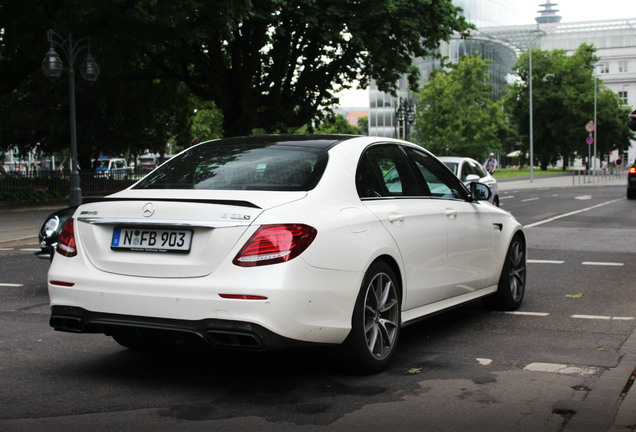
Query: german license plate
[[151, 240]]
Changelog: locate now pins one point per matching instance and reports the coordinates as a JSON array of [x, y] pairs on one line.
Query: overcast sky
[[579, 10], [569, 10]]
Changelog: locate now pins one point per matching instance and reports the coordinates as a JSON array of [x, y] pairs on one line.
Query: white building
[[615, 41]]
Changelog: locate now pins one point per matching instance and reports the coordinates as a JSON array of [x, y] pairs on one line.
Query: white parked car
[[469, 170], [276, 241]]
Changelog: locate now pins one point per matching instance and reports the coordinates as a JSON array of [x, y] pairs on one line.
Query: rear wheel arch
[[375, 319], [391, 262]]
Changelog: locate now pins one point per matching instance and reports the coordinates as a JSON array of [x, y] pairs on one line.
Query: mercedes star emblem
[[148, 209]]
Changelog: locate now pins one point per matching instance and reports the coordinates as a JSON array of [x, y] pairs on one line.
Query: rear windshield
[[217, 166]]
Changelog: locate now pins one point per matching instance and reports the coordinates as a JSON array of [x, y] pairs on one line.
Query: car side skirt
[[413, 315]]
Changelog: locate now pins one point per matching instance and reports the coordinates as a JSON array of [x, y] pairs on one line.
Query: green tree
[[456, 113], [363, 124], [125, 112], [269, 65], [563, 102], [611, 131], [273, 64], [207, 123], [337, 124]]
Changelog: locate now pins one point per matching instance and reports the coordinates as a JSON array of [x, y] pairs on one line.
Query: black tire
[[512, 282], [375, 325]]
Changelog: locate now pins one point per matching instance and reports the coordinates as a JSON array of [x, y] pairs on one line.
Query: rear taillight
[[66, 244], [273, 244], [632, 170]]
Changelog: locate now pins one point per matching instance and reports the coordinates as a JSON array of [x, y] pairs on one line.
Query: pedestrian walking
[[491, 164]]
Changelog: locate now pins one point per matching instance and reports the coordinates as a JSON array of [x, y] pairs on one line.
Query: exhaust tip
[[230, 339], [66, 323]]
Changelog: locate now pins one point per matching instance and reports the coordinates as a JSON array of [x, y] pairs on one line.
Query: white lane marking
[[560, 369], [30, 249], [6, 249], [539, 314], [545, 261], [571, 213], [599, 263], [506, 197], [529, 199], [592, 317], [10, 285], [583, 197], [602, 317], [484, 361]]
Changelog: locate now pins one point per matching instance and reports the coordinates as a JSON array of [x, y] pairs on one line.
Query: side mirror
[[472, 178], [480, 191]]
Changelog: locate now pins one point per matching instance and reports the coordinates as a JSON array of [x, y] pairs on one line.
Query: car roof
[[317, 141]]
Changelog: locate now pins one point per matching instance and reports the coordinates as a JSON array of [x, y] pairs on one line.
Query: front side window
[[441, 182]]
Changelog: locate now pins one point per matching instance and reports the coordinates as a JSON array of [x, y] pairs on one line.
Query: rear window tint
[[215, 166]]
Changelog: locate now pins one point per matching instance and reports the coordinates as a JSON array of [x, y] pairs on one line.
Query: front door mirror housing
[[480, 191]]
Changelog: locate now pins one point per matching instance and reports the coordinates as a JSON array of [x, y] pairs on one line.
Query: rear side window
[[384, 171], [214, 166]]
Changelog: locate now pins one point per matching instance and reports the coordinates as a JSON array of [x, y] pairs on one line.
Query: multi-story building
[[615, 41]]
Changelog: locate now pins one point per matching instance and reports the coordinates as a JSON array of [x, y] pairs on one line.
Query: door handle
[[396, 218], [450, 213]]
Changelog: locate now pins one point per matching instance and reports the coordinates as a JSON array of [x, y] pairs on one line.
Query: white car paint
[[445, 251], [468, 170]]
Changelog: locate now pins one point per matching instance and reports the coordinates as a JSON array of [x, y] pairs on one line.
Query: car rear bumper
[[299, 302], [215, 332]]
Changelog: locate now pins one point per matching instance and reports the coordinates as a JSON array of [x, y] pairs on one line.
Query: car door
[[469, 225], [388, 187]]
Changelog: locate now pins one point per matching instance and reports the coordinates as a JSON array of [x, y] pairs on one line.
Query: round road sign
[[589, 126], [589, 140]]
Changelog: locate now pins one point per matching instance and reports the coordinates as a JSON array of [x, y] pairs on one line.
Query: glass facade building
[[382, 106], [615, 41]]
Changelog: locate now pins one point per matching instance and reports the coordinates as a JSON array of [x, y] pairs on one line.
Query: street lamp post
[[405, 115], [595, 128], [532, 32], [52, 67], [531, 127]]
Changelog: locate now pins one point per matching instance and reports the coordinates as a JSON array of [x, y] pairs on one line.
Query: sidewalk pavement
[[558, 180], [609, 407]]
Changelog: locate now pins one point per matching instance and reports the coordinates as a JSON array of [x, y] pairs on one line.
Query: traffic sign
[[589, 140], [589, 126]]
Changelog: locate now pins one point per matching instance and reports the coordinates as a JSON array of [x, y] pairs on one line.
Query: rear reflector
[[61, 283], [242, 297]]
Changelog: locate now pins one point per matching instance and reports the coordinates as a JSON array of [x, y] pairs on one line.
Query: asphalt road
[[558, 364]]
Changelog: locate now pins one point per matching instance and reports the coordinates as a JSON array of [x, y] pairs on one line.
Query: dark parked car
[[50, 231], [631, 182]]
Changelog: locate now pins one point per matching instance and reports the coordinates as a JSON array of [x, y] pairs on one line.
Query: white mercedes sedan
[[278, 241]]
